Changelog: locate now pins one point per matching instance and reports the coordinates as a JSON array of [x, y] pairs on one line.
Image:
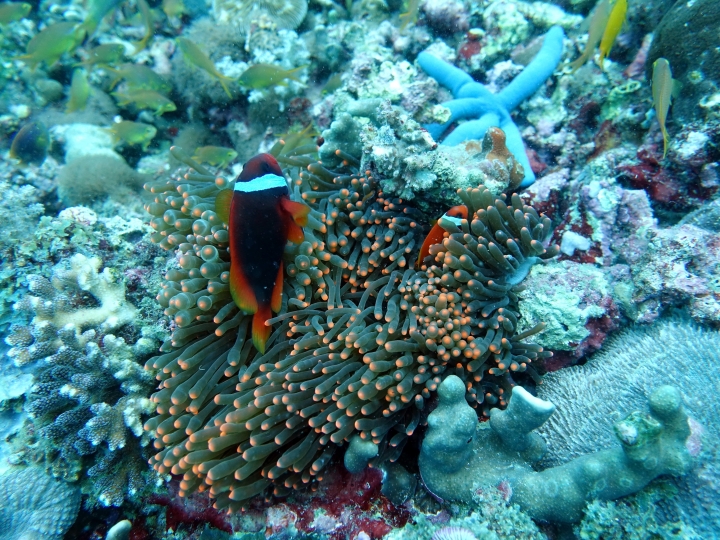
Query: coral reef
[[458, 455], [489, 517], [413, 167], [89, 393], [283, 13], [236, 423], [36, 506], [590, 397], [475, 101], [91, 178]]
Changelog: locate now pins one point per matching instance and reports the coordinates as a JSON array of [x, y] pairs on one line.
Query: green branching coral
[[362, 339]]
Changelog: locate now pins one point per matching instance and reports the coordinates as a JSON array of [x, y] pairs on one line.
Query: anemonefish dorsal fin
[[241, 291], [276, 298], [435, 236], [260, 331], [258, 166], [222, 204]]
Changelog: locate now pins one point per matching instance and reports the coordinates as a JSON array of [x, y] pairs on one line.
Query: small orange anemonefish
[[435, 236], [261, 219]]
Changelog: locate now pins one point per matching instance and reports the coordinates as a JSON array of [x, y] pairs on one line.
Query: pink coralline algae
[[680, 268]]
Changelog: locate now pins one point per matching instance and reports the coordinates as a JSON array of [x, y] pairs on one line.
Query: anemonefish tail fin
[[222, 204], [298, 211], [241, 291], [260, 331], [276, 298]]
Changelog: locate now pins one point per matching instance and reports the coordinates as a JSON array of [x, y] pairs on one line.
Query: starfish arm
[[472, 129], [536, 72], [460, 109], [514, 143], [446, 74]]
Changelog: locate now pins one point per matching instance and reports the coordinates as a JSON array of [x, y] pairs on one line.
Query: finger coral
[[362, 339]]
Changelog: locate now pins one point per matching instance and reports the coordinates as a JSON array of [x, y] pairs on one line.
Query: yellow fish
[[332, 84], [107, 53], [598, 22], [50, 44], [139, 77], [133, 133], [263, 75], [149, 25], [173, 8], [217, 156], [411, 15], [13, 11], [195, 56], [145, 99], [664, 88], [79, 91], [612, 28], [97, 9]]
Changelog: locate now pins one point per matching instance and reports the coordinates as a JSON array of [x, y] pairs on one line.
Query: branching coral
[[89, 389], [362, 339]]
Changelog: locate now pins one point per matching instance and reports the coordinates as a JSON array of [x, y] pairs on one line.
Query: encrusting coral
[[362, 338]]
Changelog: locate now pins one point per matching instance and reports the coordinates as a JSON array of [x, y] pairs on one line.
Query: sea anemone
[[360, 343]]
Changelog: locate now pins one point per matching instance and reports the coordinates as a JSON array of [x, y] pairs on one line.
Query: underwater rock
[[92, 178], [687, 37], [618, 380]]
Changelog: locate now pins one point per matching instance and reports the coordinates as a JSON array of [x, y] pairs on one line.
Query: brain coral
[[362, 340], [35, 506]]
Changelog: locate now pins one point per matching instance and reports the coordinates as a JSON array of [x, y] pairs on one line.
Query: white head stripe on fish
[[455, 220], [267, 181]]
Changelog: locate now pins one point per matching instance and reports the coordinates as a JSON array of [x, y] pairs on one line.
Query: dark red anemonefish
[[435, 236], [261, 219]]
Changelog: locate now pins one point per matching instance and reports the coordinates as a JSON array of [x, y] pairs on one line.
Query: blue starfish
[[473, 100]]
